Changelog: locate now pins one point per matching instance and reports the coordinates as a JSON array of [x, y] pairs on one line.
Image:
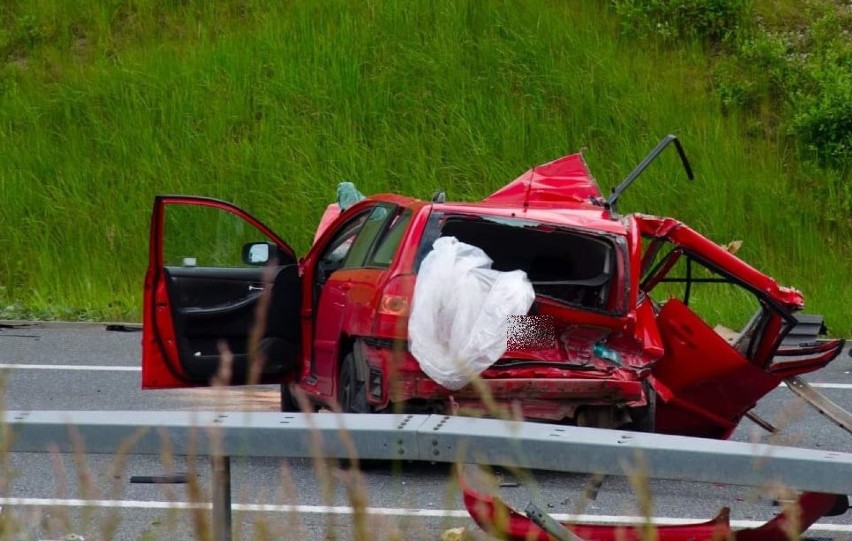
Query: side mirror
[[259, 253]]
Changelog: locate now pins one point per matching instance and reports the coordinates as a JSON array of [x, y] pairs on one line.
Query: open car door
[[710, 376], [219, 285]]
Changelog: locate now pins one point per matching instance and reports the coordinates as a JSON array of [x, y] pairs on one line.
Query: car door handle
[[345, 287], [253, 287]]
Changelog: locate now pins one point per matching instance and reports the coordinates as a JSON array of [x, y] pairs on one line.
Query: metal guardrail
[[434, 438]]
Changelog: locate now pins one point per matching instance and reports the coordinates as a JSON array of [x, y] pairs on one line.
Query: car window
[[388, 244], [373, 226], [338, 248], [201, 236], [725, 305]]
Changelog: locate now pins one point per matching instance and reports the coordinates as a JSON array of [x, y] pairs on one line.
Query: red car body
[[611, 346]]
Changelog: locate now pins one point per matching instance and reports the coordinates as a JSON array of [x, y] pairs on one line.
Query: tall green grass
[[104, 104]]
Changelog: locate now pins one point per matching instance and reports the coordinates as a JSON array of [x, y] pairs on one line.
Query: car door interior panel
[[215, 309]]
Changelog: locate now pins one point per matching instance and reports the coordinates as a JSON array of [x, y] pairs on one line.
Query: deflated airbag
[[459, 318]]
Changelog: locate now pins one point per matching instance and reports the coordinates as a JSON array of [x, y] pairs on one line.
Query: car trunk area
[[577, 278], [570, 267]]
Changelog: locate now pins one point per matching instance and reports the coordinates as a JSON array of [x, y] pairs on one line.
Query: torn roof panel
[[566, 179]]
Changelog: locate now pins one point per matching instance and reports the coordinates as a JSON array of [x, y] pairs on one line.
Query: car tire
[[352, 397], [644, 419], [288, 403], [352, 389]]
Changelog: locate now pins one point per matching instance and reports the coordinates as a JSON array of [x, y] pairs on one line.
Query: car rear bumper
[[537, 392]]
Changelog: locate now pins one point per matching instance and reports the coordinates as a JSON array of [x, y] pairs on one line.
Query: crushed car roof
[[564, 180], [562, 192]]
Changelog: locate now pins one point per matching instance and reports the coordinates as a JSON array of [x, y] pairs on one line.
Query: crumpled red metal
[[498, 519], [565, 179]]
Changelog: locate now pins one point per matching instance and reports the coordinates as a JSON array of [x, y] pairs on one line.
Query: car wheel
[[288, 403], [644, 419], [352, 390], [352, 395]]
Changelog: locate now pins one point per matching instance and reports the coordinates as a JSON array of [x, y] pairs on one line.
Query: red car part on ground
[[500, 520]]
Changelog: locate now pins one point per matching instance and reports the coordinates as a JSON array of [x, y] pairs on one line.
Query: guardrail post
[[222, 498]]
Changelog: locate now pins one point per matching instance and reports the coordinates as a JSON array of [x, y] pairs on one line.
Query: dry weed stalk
[[287, 489], [197, 508], [9, 526], [57, 520], [112, 519], [790, 508], [256, 359], [167, 458], [639, 481], [86, 485]]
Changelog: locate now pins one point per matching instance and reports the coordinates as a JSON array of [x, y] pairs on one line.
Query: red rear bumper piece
[[498, 519]]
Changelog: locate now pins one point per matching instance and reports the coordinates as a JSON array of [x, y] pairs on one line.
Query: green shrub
[[823, 120], [715, 20], [785, 66]]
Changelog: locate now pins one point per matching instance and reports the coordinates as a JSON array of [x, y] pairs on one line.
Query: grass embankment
[[269, 105]]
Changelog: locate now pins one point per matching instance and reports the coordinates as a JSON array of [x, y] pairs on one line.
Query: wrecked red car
[[611, 337]]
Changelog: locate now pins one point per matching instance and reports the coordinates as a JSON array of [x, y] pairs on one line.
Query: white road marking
[[383, 511], [93, 367], [110, 368]]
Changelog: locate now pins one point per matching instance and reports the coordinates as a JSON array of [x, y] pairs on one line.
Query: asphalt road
[[88, 368]]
